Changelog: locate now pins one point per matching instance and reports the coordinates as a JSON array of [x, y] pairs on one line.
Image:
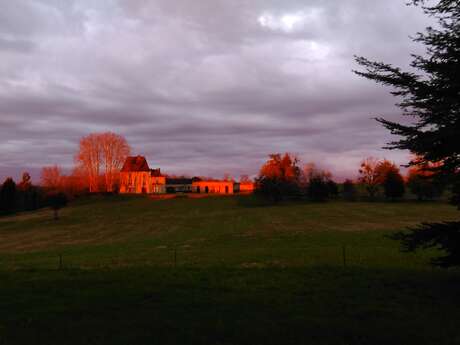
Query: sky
[[204, 87]]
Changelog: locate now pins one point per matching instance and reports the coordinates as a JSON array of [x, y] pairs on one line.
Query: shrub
[[349, 190]]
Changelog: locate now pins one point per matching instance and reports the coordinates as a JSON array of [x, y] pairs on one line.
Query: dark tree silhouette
[[349, 190], [424, 187], [393, 185], [27, 193], [431, 98], [318, 188], [444, 236], [333, 188], [8, 196], [57, 200]]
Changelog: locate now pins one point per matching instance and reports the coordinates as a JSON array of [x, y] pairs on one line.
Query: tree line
[[25, 196], [283, 177], [97, 164]]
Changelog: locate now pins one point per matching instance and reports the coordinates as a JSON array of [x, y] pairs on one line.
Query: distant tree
[[115, 149], [389, 176], [76, 183], [333, 188], [89, 156], [393, 185], [383, 168], [57, 200], [370, 176], [102, 152], [424, 184], [318, 183], [279, 178], [349, 190], [51, 177], [430, 97], [318, 188], [26, 181], [27, 193], [8, 195]]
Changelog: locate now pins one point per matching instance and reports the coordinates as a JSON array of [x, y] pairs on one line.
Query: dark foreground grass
[[220, 271]]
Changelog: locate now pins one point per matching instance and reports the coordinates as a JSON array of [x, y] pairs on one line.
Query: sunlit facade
[[136, 177]]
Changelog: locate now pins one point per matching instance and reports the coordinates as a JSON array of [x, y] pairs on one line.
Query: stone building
[[213, 186], [136, 177]]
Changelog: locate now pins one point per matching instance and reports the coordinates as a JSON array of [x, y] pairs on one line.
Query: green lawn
[[130, 270]]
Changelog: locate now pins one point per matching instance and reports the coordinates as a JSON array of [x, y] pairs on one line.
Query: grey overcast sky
[[201, 87]]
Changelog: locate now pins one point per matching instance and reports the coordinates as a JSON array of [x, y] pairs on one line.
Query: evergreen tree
[[431, 98], [8, 196]]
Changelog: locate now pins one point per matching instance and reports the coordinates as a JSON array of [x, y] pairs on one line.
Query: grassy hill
[[131, 270]]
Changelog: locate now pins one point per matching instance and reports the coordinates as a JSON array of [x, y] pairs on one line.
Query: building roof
[[180, 180], [213, 181], [135, 163], [155, 172]]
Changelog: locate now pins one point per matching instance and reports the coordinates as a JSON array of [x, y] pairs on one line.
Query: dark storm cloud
[[199, 87]]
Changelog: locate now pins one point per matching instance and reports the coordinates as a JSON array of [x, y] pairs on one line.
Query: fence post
[[344, 256], [175, 256], [60, 261]]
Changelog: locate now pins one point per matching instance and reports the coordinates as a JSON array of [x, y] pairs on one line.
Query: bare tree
[[105, 151], [51, 177], [370, 175], [89, 156], [115, 149]]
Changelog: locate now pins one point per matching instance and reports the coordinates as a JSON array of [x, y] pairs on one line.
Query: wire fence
[[183, 256]]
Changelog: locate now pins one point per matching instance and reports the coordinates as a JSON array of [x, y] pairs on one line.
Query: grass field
[[130, 270]]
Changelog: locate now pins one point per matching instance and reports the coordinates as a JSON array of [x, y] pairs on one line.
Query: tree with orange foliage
[[383, 168], [89, 156], [375, 173], [51, 177], [99, 151], [391, 179], [115, 149], [369, 176], [279, 177], [283, 167]]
